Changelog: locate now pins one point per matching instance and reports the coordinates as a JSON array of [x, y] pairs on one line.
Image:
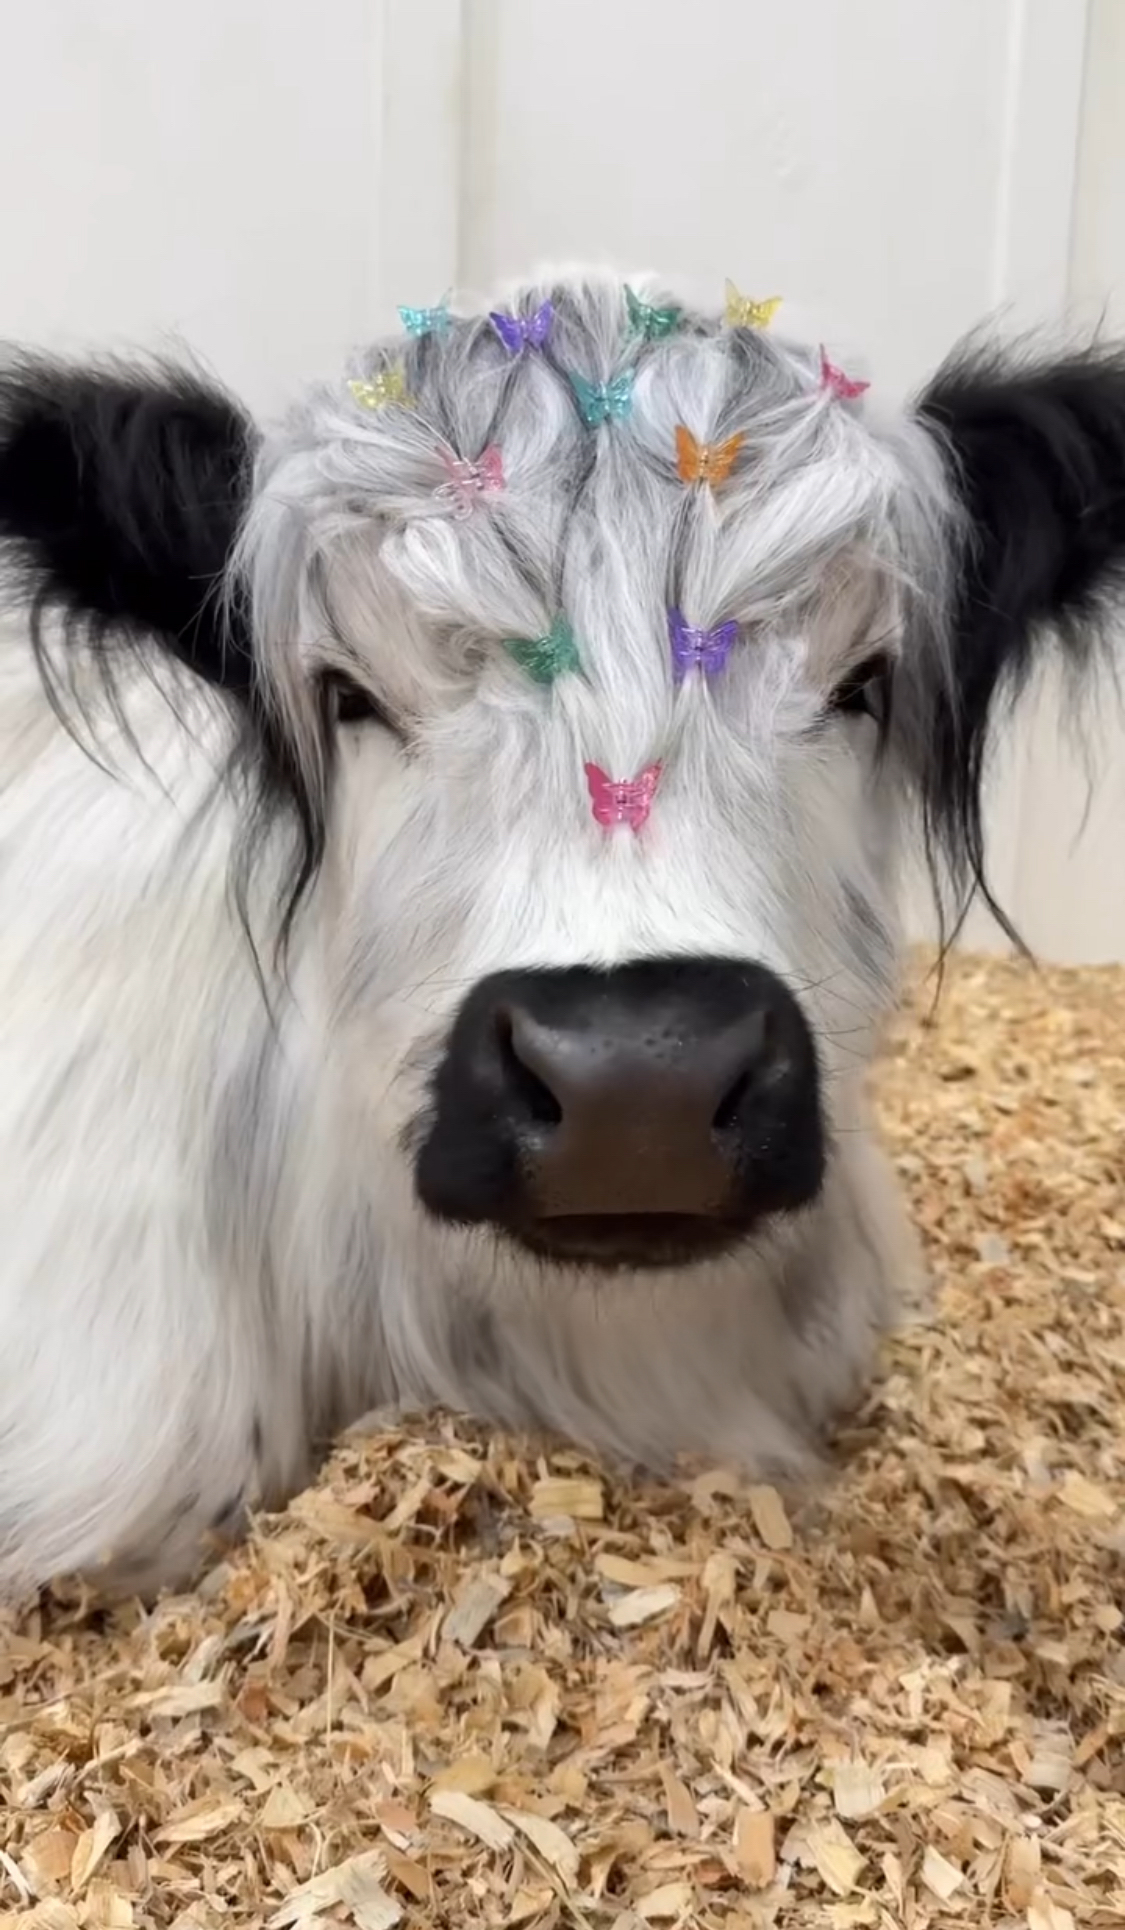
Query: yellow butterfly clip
[[705, 462], [383, 389], [742, 312]]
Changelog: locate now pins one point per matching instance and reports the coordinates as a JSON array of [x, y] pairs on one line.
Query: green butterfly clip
[[545, 658], [649, 322]]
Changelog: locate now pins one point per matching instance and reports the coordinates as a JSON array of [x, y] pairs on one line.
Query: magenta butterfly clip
[[523, 331], [840, 385], [622, 801], [469, 481], [693, 649]]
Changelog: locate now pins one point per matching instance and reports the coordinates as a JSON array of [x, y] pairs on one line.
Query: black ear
[[121, 492], [1035, 450]]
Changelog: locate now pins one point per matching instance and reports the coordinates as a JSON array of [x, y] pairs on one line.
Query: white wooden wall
[[265, 179]]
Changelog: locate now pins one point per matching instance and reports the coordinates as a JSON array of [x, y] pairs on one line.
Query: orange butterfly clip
[[705, 462]]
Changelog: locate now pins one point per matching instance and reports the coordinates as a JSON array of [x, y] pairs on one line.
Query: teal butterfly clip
[[649, 322], [426, 321], [545, 658], [604, 401]]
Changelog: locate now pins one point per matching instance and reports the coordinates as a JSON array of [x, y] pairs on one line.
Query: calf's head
[[586, 667]]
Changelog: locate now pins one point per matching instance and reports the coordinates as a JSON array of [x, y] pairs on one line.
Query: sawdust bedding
[[473, 1681]]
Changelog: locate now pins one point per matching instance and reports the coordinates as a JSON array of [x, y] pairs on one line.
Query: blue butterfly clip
[[604, 401], [426, 321]]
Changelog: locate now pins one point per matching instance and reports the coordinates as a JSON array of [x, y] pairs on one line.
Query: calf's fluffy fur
[[274, 796]]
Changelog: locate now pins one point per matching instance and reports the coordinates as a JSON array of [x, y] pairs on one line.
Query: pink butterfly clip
[[468, 481], [841, 386], [622, 801]]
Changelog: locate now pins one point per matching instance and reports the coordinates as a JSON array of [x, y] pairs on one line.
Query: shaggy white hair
[[213, 1256]]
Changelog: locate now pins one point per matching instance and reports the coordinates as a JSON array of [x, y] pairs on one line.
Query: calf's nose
[[651, 1101], [661, 1090]]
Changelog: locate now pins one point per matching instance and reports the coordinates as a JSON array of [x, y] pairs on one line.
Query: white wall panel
[[208, 175]]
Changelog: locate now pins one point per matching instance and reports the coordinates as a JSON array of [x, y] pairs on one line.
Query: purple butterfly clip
[[523, 331], [693, 649]]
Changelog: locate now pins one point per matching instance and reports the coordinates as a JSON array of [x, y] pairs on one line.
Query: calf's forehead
[[611, 523]]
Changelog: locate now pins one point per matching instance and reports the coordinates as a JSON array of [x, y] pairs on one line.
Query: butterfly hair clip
[[380, 391], [426, 321], [518, 332], [693, 649], [842, 386], [647, 321], [742, 312], [622, 801], [545, 658], [705, 462], [600, 402], [467, 482]]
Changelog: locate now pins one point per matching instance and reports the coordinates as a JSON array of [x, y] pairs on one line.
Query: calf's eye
[[349, 703], [865, 690]]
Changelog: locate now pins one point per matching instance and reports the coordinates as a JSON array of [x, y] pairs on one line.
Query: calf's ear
[[1034, 448], [121, 493]]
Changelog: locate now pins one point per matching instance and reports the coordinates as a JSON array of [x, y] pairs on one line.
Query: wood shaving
[[643, 1605], [475, 1818], [857, 1789], [940, 1875], [469, 1681], [755, 1850], [767, 1511]]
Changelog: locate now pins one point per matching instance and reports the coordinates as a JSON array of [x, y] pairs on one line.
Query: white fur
[[212, 1256]]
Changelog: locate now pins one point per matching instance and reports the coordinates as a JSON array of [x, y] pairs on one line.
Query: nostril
[[726, 1112], [760, 1055], [538, 1100]]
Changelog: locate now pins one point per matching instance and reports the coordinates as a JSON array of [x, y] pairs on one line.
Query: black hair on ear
[[121, 491], [1035, 448]]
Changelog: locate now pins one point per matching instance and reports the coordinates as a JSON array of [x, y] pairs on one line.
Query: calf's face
[[619, 1044], [606, 915], [588, 677]]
